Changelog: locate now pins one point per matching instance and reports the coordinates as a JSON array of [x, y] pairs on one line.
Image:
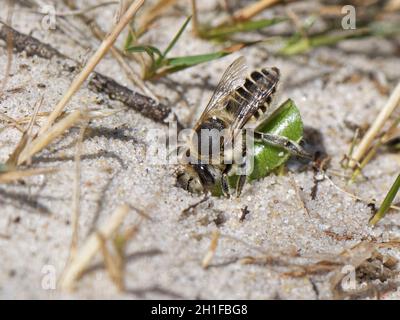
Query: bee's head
[[197, 178], [188, 179]]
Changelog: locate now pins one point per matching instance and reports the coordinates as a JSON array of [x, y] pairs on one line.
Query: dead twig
[[148, 107], [31, 46]]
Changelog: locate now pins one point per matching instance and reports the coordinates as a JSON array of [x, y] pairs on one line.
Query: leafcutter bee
[[238, 106]]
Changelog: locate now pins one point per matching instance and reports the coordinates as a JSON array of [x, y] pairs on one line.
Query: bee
[[239, 104]]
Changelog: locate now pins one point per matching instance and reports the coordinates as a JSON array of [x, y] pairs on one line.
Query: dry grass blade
[[376, 127], [11, 176], [298, 195], [45, 139], [76, 203], [211, 250], [12, 121], [392, 5], [13, 158], [26, 137], [195, 19], [152, 13], [92, 63], [372, 152], [91, 247], [85, 10], [100, 35], [253, 9], [355, 196], [320, 267], [113, 264]]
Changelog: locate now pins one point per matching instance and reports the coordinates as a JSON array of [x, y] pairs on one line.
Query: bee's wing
[[260, 96], [233, 77]]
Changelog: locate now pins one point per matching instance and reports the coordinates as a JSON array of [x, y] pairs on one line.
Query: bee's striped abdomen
[[260, 86]]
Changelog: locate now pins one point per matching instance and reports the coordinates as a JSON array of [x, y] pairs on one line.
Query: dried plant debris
[[85, 254], [364, 266], [351, 273]]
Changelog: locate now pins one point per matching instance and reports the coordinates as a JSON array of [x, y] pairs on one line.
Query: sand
[[164, 259]]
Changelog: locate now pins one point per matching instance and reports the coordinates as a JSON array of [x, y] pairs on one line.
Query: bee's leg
[[224, 182], [225, 185], [242, 178], [282, 142], [239, 185]]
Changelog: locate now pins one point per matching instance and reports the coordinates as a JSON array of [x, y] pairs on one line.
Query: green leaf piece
[[129, 41], [150, 50], [177, 36], [285, 121], [189, 61], [303, 45]]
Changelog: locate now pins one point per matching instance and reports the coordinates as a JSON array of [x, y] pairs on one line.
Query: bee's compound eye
[[195, 185], [182, 180], [189, 182]]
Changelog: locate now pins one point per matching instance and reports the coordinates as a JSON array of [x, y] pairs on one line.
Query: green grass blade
[[387, 202], [176, 64], [247, 26], [384, 29], [173, 65], [150, 50], [130, 40], [189, 61], [303, 45], [176, 38]]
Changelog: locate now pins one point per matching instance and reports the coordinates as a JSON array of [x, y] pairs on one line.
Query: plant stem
[[386, 202], [376, 127]]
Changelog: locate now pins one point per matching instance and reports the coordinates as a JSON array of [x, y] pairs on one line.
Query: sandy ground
[[164, 260]]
